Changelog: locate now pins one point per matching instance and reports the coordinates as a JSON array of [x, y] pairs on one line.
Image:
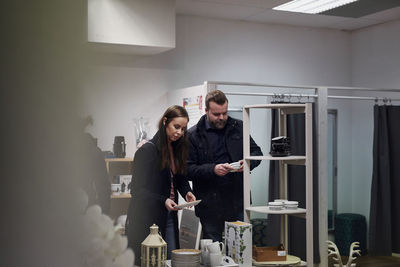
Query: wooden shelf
[[267, 210], [294, 160], [119, 166], [118, 159], [291, 260], [121, 196]]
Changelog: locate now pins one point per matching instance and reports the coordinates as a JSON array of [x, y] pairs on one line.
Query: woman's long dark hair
[[180, 146]]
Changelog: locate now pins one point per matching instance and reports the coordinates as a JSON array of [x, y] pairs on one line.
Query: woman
[[159, 169]]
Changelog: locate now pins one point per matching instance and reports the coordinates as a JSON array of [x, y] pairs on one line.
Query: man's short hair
[[216, 96]]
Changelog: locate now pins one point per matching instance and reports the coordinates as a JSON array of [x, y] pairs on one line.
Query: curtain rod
[[261, 85], [364, 98], [365, 89], [315, 96], [269, 94]]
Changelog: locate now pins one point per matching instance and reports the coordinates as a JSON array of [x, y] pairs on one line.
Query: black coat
[[217, 200], [150, 189]]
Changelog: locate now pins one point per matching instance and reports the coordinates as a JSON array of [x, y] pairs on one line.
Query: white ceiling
[[261, 11]]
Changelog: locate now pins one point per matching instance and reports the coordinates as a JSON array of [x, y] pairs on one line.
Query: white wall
[[137, 25], [375, 56], [240, 51], [375, 63], [120, 87]]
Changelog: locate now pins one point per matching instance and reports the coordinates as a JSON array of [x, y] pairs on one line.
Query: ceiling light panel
[[312, 6]]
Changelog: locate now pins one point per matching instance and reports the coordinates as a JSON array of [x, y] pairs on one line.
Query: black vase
[[119, 147]]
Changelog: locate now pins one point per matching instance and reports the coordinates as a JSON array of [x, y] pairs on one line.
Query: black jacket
[[150, 188], [217, 200]]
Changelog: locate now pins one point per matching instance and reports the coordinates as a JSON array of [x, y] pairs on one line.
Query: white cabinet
[[306, 160], [135, 27]]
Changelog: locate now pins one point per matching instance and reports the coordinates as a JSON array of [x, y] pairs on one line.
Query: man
[[216, 141]]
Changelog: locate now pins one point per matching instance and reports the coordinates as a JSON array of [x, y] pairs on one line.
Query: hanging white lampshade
[[154, 249]]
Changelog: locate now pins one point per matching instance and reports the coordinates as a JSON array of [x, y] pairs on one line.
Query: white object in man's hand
[[237, 166], [222, 169]]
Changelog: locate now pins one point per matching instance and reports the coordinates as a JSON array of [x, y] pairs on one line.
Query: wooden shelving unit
[[306, 160], [119, 166], [116, 167], [121, 196]]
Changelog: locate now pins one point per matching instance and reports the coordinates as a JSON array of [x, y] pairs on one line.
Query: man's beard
[[219, 124]]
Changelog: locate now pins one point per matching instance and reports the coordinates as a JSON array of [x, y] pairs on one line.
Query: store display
[[215, 259], [276, 205], [274, 253], [280, 146], [205, 260], [238, 242], [215, 253], [185, 258], [125, 181], [115, 189], [279, 204], [290, 261], [154, 249], [291, 205], [119, 147]]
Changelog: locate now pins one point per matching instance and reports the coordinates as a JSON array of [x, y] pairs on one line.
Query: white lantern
[[154, 249]]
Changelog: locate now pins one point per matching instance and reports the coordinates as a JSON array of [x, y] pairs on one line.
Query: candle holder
[[154, 249]]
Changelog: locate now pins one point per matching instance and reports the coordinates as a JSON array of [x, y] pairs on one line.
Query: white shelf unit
[[306, 160]]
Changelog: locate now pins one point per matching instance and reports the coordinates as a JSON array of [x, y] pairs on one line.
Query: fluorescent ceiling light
[[312, 6]]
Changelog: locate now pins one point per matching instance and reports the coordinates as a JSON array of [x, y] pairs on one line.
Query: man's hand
[[222, 169], [241, 166], [170, 204], [190, 197]]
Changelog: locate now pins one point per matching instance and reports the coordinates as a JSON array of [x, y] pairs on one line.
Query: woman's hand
[[170, 204], [190, 197]]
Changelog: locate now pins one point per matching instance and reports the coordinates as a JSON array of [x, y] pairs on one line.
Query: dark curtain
[[384, 229], [296, 187]]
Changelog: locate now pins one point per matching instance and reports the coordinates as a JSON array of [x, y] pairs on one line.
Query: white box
[[238, 242]]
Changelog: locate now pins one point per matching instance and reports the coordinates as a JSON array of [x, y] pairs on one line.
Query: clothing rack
[[320, 94], [300, 96], [215, 83]]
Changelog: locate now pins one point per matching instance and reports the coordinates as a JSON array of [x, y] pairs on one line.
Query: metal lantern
[[154, 249]]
